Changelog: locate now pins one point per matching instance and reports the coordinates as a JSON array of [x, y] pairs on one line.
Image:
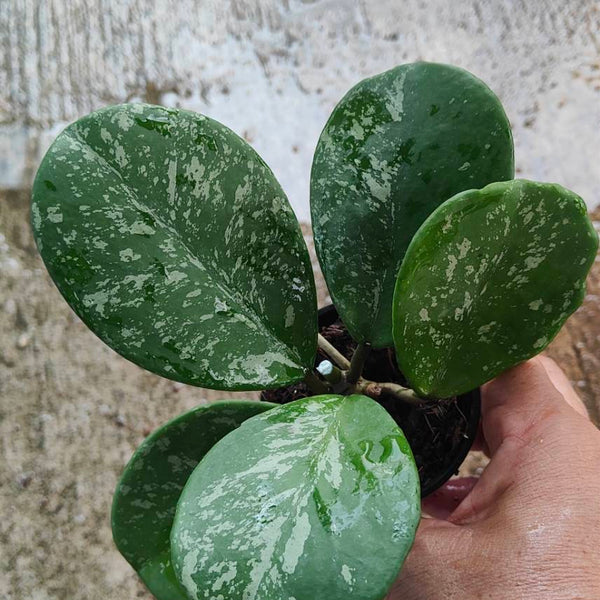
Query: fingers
[[519, 398], [542, 476], [479, 443], [562, 384], [532, 424], [443, 502]]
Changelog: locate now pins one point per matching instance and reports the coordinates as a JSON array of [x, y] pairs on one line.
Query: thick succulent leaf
[[316, 499], [488, 281], [172, 240], [147, 494], [396, 147]]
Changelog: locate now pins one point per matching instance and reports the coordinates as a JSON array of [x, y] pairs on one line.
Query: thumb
[[531, 423], [522, 398]]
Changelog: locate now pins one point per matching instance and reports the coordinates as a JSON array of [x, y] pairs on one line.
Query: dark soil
[[437, 433]]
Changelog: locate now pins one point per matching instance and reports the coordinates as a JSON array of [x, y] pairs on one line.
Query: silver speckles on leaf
[[488, 281], [315, 499], [172, 240], [147, 494], [395, 147]]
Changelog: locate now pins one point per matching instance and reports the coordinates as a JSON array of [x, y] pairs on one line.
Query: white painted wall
[[272, 70]]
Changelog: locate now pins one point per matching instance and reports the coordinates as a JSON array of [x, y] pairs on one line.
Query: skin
[[529, 528]]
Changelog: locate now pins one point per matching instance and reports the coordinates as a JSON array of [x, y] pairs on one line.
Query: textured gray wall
[[273, 70]]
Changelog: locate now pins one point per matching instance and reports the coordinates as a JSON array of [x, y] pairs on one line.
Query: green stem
[[314, 383], [358, 362], [339, 359], [374, 390], [330, 372]]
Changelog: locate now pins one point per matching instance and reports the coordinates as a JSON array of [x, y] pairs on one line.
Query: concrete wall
[[273, 69]]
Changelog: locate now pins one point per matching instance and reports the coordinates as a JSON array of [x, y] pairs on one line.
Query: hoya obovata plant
[[172, 240]]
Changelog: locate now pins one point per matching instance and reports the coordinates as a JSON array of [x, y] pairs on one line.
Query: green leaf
[[170, 237], [146, 497], [488, 281], [316, 499], [397, 146]]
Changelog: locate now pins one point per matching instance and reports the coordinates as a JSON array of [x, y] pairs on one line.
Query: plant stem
[[314, 383], [375, 390], [358, 362], [338, 358], [352, 371], [330, 372]]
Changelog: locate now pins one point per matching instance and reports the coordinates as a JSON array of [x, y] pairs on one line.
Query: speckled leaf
[[488, 281], [396, 147], [322, 503], [146, 497], [170, 237]]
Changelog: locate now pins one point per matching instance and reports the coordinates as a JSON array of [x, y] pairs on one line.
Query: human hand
[[529, 528]]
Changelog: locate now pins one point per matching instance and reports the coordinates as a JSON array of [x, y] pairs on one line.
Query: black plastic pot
[[456, 420]]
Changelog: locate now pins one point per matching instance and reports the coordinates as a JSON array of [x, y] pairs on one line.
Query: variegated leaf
[[147, 494], [315, 499], [488, 281], [397, 146], [172, 240]]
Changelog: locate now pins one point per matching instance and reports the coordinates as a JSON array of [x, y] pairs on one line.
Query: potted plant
[[172, 240]]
